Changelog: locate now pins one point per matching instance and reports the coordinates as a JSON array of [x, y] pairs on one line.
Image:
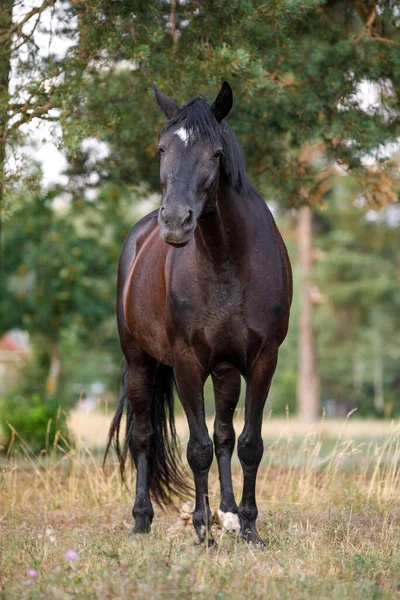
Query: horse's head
[[191, 149]]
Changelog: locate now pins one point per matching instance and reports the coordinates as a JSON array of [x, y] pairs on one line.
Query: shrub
[[39, 423]]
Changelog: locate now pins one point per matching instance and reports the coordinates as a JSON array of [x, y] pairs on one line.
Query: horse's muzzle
[[176, 226]]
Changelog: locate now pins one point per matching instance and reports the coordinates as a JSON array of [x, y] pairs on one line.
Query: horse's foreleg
[[226, 380], [141, 374], [190, 384], [250, 442]]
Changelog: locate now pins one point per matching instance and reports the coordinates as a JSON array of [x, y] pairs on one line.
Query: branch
[[28, 38], [21, 108], [174, 33], [371, 19], [309, 152], [368, 27], [383, 40], [38, 112], [37, 10]]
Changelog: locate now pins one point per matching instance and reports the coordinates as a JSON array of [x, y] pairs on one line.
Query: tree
[[5, 66], [296, 68], [32, 93], [59, 273], [29, 99], [358, 324], [308, 385]]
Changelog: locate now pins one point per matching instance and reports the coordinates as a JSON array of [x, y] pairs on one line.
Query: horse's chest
[[222, 303], [212, 314]]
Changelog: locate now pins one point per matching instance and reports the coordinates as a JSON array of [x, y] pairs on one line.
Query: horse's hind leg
[[190, 382], [226, 381], [141, 377], [250, 442]]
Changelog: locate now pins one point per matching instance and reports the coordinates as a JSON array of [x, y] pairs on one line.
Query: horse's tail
[[167, 477]]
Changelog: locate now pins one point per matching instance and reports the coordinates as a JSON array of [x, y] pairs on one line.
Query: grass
[[329, 504]]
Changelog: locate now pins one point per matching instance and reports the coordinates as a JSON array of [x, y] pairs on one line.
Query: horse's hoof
[[139, 530], [132, 536], [252, 538], [212, 545], [209, 543]]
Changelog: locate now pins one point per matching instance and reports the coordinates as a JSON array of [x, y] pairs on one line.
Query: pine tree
[[296, 67]]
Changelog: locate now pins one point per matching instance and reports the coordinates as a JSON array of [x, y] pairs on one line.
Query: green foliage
[[57, 271], [296, 67], [38, 419], [282, 397], [88, 361], [60, 276], [358, 325], [33, 422]]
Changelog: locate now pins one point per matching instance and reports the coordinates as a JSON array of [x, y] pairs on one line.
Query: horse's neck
[[223, 234]]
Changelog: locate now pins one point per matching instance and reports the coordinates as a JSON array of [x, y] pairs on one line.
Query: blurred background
[[316, 107]]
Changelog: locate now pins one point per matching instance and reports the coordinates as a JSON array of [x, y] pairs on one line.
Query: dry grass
[[91, 427], [330, 515]]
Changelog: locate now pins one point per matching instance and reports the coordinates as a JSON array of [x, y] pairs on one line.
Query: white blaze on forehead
[[184, 134]]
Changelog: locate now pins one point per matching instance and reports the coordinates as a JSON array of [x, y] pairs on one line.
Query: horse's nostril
[[188, 217], [164, 218]]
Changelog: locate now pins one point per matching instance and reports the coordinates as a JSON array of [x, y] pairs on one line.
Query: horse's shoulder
[[143, 226], [136, 237], [140, 231]]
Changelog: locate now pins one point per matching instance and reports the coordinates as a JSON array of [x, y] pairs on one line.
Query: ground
[[329, 506]]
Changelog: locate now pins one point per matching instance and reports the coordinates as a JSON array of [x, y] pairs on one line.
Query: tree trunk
[[6, 8], [379, 402], [54, 371], [308, 400]]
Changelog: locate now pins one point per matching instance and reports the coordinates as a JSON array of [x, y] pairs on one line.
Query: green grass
[[332, 530]]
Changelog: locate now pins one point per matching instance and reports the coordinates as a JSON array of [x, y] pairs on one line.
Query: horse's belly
[[145, 304], [149, 333]]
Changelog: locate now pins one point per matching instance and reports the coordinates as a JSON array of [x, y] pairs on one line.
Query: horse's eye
[[161, 149], [217, 155]]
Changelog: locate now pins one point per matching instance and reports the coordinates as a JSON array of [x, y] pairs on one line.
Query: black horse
[[204, 288]]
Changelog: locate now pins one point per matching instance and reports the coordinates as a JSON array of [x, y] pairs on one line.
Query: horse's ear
[[168, 107], [223, 102]]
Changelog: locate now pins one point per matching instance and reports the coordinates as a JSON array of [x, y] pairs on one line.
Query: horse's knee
[[141, 439], [224, 440], [250, 449], [199, 453]]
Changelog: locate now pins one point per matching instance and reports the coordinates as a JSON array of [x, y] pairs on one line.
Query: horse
[[204, 288]]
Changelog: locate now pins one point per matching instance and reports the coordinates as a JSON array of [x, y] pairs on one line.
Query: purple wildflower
[[71, 555], [32, 572]]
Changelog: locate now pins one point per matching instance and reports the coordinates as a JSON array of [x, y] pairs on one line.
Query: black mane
[[200, 121]]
